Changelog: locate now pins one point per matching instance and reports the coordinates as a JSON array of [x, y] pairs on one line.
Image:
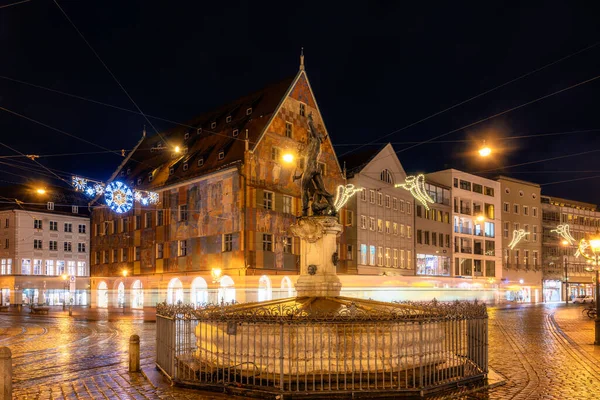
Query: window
[[477, 188], [287, 204], [6, 221], [448, 241], [386, 176], [426, 237], [506, 207], [349, 217], [489, 229], [6, 243], [395, 260], [227, 242], [37, 244], [402, 230], [387, 257], [465, 185], [183, 212], [387, 227], [50, 205], [455, 182], [395, 228], [302, 109], [228, 120], [371, 255], [148, 221], [67, 246], [249, 111], [267, 242], [37, 267], [185, 167], [488, 191], [516, 208], [419, 236], [138, 222], [363, 222], [534, 233], [379, 225], [124, 256], [380, 199], [160, 250], [408, 231], [200, 162], [268, 200], [363, 195], [380, 256], [525, 210], [363, 254], [394, 203], [387, 201], [81, 270], [419, 211], [275, 154], [433, 239], [125, 225], [506, 229], [235, 132], [74, 209], [213, 125], [409, 208], [115, 256], [402, 206], [535, 258], [526, 229], [81, 247], [288, 129], [287, 244], [81, 228], [138, 252], [371, 223], [68, 227], [53, 245], [408, 259], [441, 241], [221, 155], [49, 267], [534, 212], [37, 224], [372, 196]]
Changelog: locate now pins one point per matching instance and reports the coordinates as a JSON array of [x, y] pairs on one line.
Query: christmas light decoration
[[79, 183], [99, 188], [517, 236], [119, 197], [343, 195], [564, 232], [416, 186]]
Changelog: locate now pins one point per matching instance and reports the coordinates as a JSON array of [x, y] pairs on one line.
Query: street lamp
[[593, 244], [565, 243], [64, 278], [485, 150], [124, 289]]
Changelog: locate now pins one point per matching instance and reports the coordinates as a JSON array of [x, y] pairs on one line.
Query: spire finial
[[302, 59]]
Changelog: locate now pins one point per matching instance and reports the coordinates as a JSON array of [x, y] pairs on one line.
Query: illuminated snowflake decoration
[[416, 186], [79, 184], [89, 191], [343, 195], [119, 197], [153, 196], [99, 189], [138, 195]]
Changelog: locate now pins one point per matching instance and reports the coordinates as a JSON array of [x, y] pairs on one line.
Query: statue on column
[[312, 180]]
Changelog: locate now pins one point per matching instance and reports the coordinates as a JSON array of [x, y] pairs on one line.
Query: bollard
[[70, 311], [134, 353], [5, 373]]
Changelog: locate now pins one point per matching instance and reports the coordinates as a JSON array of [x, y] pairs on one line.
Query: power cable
[[482, 94], [37, 162], [570, 180], [14, 4], [538, 161], [65, 154]]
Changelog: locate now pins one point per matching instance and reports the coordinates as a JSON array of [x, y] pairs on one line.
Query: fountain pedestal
[[318, 256]]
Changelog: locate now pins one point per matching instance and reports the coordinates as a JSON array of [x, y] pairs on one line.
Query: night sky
[[375, 68]]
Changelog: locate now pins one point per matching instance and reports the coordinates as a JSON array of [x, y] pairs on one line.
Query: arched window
[[286, 287], [121, 295], [264, 289], [386, 176], [199, 292], [174, 292], [137, 295], [102, 295], [226, 292]]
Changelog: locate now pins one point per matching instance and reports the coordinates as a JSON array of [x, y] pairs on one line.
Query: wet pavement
[[542, 352]]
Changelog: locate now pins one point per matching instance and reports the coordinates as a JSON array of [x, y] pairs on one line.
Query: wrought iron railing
[[272, 350]]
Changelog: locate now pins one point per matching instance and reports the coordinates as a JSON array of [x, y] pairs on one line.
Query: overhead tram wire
[[63, 154], [37, 162], [116, 107], [538, 161], [14, 4], [570, 180], [481, 94]]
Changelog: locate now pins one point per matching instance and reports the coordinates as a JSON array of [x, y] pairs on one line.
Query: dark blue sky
[[375, 68]]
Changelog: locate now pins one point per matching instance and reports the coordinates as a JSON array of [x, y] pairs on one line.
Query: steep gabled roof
[[355, 162], [210, 138]]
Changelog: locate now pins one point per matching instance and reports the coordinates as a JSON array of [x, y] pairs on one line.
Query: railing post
[[134, 353], [5, 373]]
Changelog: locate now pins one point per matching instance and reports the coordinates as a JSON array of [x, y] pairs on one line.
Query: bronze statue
[[312, 180]]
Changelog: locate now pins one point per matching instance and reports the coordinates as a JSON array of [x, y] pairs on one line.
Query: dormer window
[[128, 171], [150, 177], [185, 167], [198, 131], [221, 155], [50, 205], [139, 181], [235, 132], [228, 119], [122, 173], [302, 109], [171, 171], [201, 162], [213, 125], [186, 136], [249, 111]]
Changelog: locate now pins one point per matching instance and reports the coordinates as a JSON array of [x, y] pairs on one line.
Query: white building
[[44, 252], [379, 220], [476, 238]]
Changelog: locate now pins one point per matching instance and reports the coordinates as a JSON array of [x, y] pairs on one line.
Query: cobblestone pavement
[[543, 352]]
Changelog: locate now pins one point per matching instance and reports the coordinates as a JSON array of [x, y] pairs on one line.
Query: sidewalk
[[80, 313], [577, 329]]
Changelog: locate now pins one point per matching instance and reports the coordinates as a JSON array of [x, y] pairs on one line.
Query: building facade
[[475, 226], [564, 274], [44, 252], [434, 233], [227, 199], [379, 219], [521, 240]]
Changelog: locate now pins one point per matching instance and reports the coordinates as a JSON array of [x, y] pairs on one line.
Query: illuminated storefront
[[428, 264]]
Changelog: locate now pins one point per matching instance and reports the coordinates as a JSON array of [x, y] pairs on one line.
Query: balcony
[[467, 250], [467, 230], [465, 210]]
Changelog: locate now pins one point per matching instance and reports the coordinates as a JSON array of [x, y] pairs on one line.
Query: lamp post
[[594, 244], [566, 265], [124, 289], [64, 278]]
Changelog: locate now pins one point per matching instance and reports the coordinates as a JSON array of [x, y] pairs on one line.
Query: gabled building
[[379, 220], [226, 201]]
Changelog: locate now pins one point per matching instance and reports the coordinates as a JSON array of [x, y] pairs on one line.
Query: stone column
[[318, 275]]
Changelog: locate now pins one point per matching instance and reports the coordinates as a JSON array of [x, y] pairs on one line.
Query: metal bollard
[[134, 353], [5, 373]]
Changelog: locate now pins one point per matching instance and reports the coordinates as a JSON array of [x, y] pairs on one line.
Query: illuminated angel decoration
[[416, 186], [343, 195], [517, 236], [564, 232]]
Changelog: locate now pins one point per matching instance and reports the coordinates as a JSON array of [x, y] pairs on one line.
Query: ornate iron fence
[[277, 348]]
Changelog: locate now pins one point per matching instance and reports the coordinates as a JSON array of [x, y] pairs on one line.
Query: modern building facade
[[521, 240], [434, 232], [44, 250], [379, 219], [564, 274], [475, 226], [227, 199]]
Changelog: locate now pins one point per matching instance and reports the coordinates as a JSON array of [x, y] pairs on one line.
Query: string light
[[79, 183], [343, 195], [564, 232], [118, 197], [517, 236], [117, 194], [416, 186]]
